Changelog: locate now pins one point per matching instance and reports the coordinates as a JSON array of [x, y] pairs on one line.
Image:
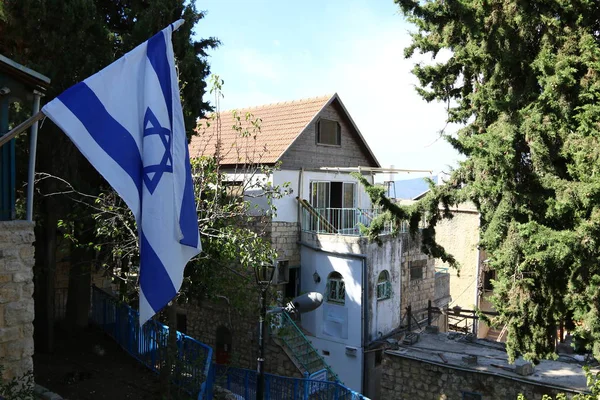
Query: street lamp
[[264, 275]]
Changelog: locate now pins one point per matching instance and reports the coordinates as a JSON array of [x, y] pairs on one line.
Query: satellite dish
[[302, 304], [307, 302]]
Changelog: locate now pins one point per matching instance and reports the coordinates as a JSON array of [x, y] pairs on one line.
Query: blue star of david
[[166, 163]]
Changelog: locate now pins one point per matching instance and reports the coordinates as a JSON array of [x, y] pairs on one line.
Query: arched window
[[336, 290], [384, 287]]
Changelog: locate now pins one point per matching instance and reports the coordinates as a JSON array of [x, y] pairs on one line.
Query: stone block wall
[[408, 378], [306, 153], [16, 301], [417, 292], [284, 237], [442, 289], [460, 237], [202, 324]]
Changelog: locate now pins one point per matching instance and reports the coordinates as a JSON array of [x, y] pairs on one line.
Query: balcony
[[342, 221]]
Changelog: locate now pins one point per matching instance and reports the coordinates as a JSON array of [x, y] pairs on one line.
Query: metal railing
[[302, 349], [149, 344], [345, 221], [242, 383]]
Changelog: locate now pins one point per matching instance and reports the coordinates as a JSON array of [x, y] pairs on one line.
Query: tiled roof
[[280, 125]]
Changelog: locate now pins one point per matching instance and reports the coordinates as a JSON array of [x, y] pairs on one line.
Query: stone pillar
[[16, 301]]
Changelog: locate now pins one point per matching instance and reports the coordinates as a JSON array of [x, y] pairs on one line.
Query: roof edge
[[328, 102], [39, 79], [370, 152]]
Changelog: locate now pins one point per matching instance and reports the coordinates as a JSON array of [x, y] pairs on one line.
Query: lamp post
[[264, 275]]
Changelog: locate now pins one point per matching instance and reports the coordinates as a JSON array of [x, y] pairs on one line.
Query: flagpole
[[21, 127]]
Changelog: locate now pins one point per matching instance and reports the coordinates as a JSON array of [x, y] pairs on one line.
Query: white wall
[[348, 368], [287, 207], [384, 315], [330, 317]]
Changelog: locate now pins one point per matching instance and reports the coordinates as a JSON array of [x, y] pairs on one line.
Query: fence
[[149, 344], [345, 221], [242, 382]]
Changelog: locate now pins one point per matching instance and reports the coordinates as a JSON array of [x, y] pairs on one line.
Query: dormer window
[[329, 132]]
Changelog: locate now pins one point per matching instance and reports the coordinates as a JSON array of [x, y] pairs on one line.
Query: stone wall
[[202, 324], [306, 153], [284, 237], [442, 289], [460, 237], [417, 292], [407, 378], [16, 301]]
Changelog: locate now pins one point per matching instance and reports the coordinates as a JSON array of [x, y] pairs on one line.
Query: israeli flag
[[128, 122]]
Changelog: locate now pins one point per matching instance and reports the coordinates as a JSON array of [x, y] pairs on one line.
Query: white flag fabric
[[127, 121]]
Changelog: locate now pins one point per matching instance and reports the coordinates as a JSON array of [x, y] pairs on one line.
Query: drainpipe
[[476, 321], [300, 192], [365, 334], [364, 297], [32, 152]]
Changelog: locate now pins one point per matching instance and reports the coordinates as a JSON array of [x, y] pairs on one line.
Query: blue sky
[[280, 50]]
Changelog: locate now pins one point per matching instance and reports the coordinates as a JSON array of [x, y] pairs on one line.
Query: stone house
[[470, 287], [453, 366], [316, 230], [25, 86]]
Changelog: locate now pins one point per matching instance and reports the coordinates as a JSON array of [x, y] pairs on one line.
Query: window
[[234, 189], [329, 133], [335, 202], [336, 290], [378, 357], [488, 276], [416, 269], [384, 287], [471, 396]]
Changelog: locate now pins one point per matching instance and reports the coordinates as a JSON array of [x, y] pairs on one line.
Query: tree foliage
[[523, 80]]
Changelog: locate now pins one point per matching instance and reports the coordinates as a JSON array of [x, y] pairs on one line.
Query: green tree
[[523, 80], [69, 41]]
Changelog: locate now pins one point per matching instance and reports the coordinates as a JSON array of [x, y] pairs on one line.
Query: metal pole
[[428, 312], [32, 153], [260, 373]]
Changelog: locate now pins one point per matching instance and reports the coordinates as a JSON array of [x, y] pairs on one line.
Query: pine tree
[[523, 80]]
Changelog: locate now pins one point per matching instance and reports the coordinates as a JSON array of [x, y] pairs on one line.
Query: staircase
[[300, 350]]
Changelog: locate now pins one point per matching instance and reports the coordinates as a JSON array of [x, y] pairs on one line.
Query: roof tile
[[280, 124]]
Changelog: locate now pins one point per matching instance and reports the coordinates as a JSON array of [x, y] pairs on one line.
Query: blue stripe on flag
[[188, 219], [154, 279], [157, 54], [110, 135]]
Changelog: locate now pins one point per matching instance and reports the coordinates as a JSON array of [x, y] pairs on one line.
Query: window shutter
[[318, 131], [339, 134], [327, 287]]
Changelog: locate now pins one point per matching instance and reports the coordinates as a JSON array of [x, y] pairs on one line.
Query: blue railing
[[149, 344], [242, 382]]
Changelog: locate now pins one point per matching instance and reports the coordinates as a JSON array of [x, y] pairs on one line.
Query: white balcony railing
[[343, 221]]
